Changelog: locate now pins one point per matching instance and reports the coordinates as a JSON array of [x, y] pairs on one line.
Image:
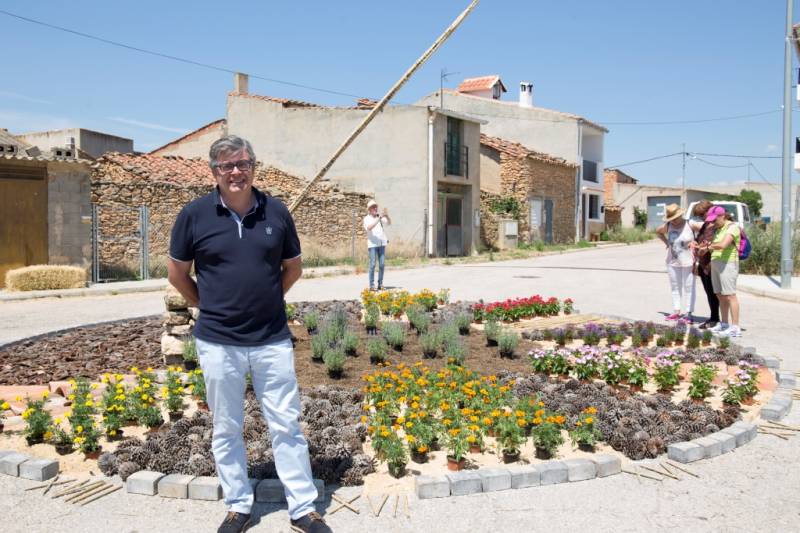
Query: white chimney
[[525, 94], [240, 83], [69, 142]]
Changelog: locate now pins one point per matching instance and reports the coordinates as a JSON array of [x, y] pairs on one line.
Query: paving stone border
[[603, 465], [465, 482]]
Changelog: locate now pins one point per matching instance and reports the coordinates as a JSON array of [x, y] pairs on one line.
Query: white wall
[[539, 129]]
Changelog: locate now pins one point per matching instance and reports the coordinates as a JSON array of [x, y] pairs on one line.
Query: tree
[[753, 201]]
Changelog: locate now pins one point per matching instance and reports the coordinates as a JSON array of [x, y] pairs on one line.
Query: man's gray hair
[[229, 144]]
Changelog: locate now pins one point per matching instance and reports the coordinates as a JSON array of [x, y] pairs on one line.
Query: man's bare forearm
[[187, 287], [289, 276]]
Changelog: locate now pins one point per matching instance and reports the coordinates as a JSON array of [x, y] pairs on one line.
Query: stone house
[[420, 162], [45, 214], [564, 135], [77, 142], [543, 186], [123, 183]]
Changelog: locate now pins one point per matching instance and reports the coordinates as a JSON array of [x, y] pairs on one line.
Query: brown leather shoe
[[235, 523], [310, 523]]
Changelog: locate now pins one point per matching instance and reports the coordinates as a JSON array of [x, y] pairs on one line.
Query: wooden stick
[[371, 507], [396, 505], [408, 511], [764, 432], [637, 474], [345, 503], [98, 496], [70, 490], [659, 472], [382, 504], [52, 483], [382, 103], [79, 496], [774, 423], [82, 490], [682, 469], [666, 469]]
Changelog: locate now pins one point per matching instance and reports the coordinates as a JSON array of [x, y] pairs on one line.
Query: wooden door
[[23, 217]]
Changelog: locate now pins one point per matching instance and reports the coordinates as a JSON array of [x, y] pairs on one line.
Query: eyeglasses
[[244, 165]]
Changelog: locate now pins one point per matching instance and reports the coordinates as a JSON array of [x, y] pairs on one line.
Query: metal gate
[[127, 244]]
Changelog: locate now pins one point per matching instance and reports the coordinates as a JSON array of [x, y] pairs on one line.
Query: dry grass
[[45, 277], [317, 253]]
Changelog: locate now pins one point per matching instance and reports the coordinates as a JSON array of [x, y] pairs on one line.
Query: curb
[[774, 294], [75, 293]]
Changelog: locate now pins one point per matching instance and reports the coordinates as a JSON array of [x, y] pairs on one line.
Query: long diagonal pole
[[383, 101]]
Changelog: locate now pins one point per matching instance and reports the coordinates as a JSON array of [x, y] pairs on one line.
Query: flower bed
[[519, 308]]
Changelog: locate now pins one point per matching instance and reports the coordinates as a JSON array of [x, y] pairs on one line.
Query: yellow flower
[[112, 432], [579, 424], [93, 385], [79, 430], [26, 414], [71, 397], [471, 439], [18, 399], [5, 406], [45, 394], [89, 403], [57, 421], [145, 397], [589, 419], [48, 435]]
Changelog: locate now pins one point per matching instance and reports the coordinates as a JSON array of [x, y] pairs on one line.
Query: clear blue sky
[[615, 61]]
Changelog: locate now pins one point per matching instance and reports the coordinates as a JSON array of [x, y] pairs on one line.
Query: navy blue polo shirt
[[238, 266]]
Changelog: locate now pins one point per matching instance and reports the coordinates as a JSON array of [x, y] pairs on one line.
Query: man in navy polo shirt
[[246, 254]]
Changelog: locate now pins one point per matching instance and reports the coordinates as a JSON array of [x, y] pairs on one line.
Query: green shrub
[[765, 257], [420, 321], [429, 343], [505, 205], [448, 333], [395, 334], [507, 342], [318, 347], [190, 350], [372, 315], [456, 353], [334, 361], [491, 330], [336, 320], [376, 348], [350, 342], [629, 235], [463, 321], [311, 320]]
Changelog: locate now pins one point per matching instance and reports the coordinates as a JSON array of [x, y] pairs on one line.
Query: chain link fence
[[128, 243]]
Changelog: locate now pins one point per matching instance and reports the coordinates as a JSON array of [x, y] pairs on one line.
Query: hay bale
[[45, 277]]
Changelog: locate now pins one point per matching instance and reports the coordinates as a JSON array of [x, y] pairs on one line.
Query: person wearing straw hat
[[376, 241], [677, 235]]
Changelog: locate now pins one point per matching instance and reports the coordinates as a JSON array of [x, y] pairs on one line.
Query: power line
[[716, 164], [741, 156], [764, 179], [644, 160], [692, 121], [172, 57]]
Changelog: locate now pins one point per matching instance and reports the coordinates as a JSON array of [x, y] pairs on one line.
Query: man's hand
[[291, 270], [178, 276]]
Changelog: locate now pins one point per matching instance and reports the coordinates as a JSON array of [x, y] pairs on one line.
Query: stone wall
[[489, 224], [526, 177], [325, 214]]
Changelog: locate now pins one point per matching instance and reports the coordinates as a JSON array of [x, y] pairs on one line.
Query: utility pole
[[786, 226], [684, 199]]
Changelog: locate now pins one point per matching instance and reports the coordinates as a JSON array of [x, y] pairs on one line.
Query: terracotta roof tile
[[517, 150], [161, 168], [286, 102], [482, 83], [191, 134]]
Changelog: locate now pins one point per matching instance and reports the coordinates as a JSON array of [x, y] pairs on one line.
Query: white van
[[739, 211]]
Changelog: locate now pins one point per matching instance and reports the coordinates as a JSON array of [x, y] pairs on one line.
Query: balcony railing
[[456, 160], [590, 170]]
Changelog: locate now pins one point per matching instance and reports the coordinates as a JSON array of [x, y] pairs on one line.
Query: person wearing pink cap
[[725, 269]]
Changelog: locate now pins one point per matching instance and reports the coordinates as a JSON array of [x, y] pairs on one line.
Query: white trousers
[[682, 283], [275, 384]]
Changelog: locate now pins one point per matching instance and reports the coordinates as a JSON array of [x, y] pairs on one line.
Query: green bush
[[318, 347], [429, 342], [350, 342], [463, 321], [311, 320], [629, 235], [639, 217], [506, 205], [376, 348], [491, 330], [765, 257], [334, 360], [395, 334]]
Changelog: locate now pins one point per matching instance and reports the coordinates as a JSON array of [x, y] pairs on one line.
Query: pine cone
[[107, 463], [127, 468]]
